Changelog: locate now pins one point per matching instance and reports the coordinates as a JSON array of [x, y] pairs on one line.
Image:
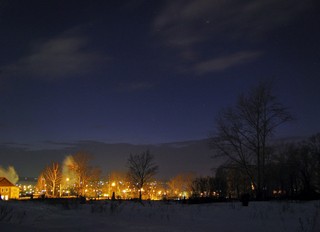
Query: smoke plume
[[9, 173], [69, 176]]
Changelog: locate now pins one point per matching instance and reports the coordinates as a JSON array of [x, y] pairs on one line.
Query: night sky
[[150, 72]]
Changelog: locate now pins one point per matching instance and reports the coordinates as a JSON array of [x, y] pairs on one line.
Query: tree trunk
[[140, 195]]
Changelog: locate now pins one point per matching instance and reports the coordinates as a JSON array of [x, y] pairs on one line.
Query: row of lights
[[116, 187]]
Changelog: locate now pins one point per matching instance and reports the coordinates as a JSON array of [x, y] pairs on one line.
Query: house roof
[[5, 182]]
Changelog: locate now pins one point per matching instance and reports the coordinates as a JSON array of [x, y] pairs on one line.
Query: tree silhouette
[[244, 132], [314, 144], [141, 169], [52, 174]]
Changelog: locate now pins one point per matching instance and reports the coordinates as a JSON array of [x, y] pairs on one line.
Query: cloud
[[184, 23], [176, 26], [225, 62], [195, 29], [59, 57]]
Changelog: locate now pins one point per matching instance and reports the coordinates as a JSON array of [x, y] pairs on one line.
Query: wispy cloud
[[200, 27], [225, 62], [188, 22], [59, 57]]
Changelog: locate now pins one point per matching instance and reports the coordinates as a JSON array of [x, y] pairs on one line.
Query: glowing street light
[[67, 180]]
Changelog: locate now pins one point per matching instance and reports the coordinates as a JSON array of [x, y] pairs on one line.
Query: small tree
[[141, 169]]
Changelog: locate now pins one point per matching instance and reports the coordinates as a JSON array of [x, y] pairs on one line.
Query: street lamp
[[68, 189]]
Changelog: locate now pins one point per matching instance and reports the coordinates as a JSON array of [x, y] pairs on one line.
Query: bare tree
[[244, 132], [314, 144], [53, 176], [141, 169]]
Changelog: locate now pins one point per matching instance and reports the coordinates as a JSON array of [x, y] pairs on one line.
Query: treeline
[[291, 172], [254, 165], [76, 177]]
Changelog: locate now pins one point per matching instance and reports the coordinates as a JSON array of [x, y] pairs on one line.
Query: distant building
[[8, 190], [27, 186]]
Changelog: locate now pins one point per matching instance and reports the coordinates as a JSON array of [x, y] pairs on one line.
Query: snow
[[160, 216]]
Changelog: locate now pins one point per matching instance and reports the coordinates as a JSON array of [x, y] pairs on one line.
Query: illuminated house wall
[[8, 190]]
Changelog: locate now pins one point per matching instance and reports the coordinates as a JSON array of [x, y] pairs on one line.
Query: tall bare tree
[[244, 132], [53, 176], [141, 169]]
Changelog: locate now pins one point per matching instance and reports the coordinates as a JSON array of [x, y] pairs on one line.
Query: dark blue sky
[[151, 71]]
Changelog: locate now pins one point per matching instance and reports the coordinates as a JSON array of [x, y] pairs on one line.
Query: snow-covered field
[[160, 216]]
